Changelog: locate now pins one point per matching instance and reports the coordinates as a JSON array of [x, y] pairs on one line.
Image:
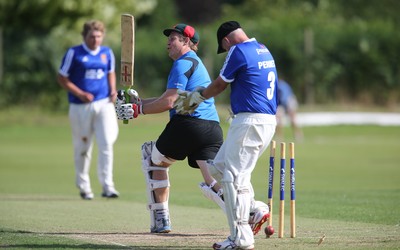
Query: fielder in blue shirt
[[249, 69], [87, 72], [287, 105]]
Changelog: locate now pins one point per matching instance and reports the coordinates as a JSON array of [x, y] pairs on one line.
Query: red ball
[[269, 230]]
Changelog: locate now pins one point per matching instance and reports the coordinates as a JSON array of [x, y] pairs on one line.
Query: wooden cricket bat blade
[[127, 49], [127, 53]]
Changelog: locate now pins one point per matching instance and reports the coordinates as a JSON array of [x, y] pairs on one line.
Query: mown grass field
[[347, 180]]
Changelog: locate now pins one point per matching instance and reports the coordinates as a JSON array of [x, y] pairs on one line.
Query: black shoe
[[86, 196], [110, 195]]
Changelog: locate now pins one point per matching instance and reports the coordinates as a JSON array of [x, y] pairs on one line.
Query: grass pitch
[[347, 181]]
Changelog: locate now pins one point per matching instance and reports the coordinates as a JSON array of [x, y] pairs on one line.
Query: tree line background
[[342, 51]]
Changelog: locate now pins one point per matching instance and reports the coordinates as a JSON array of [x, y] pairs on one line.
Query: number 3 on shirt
[[271, 89]]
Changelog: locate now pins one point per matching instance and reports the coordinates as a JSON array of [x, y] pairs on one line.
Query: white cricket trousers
[[97, 118], [248, 137]]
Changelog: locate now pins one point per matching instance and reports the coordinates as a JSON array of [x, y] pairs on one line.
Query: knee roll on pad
[[157, 158]]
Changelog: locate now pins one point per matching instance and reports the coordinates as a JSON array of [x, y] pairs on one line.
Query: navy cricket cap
[[185, 30], [223, 31]]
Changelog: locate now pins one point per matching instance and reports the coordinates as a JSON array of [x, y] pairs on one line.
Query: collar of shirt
[[92, 52]]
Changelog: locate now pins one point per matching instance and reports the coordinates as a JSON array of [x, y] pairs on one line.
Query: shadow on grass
[[93, 246], [21, 239], [65, 246]]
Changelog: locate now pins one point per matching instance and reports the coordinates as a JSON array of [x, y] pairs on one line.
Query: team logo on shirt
[[104, 58], [262, 51], [94, 74]]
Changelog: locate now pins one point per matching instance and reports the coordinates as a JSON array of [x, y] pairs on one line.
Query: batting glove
[[120, 99], [129, 111], [134, 96], [187, 102]]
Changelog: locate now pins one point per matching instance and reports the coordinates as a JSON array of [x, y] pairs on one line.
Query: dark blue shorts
[[194, 138]]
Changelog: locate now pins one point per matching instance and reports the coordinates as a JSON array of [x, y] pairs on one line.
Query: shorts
[[194, 138]]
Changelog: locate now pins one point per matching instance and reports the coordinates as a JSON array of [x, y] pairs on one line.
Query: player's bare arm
[[71, 87], [113, 89], [164, 103], [215, 88]]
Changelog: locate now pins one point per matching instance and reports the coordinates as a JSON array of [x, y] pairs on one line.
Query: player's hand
[[86, 97], [124, 110], [128, 111], [187, 102]]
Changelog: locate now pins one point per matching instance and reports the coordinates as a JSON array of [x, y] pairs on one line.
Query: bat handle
[[127, 98]]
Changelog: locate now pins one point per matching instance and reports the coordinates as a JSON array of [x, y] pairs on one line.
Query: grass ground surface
[[347, 180]]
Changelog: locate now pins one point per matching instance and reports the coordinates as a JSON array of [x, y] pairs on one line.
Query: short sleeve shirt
[[187, 74], [250, 69], [88, 70]]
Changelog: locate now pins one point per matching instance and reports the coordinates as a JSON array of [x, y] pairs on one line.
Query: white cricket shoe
[[162, 226], [163, 222], [258, 216], [229, 244]]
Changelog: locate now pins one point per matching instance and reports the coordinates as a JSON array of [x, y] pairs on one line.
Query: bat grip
[[127, 100]]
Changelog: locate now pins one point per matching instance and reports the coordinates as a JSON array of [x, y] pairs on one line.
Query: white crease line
[[106, 241]]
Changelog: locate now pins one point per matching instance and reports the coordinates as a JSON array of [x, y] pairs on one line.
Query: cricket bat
[[127, 53]]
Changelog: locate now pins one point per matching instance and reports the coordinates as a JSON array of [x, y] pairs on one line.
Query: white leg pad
[[151, 185], [237, 203], [245, 235], [230, 198], [210, 194], [158, 206]]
